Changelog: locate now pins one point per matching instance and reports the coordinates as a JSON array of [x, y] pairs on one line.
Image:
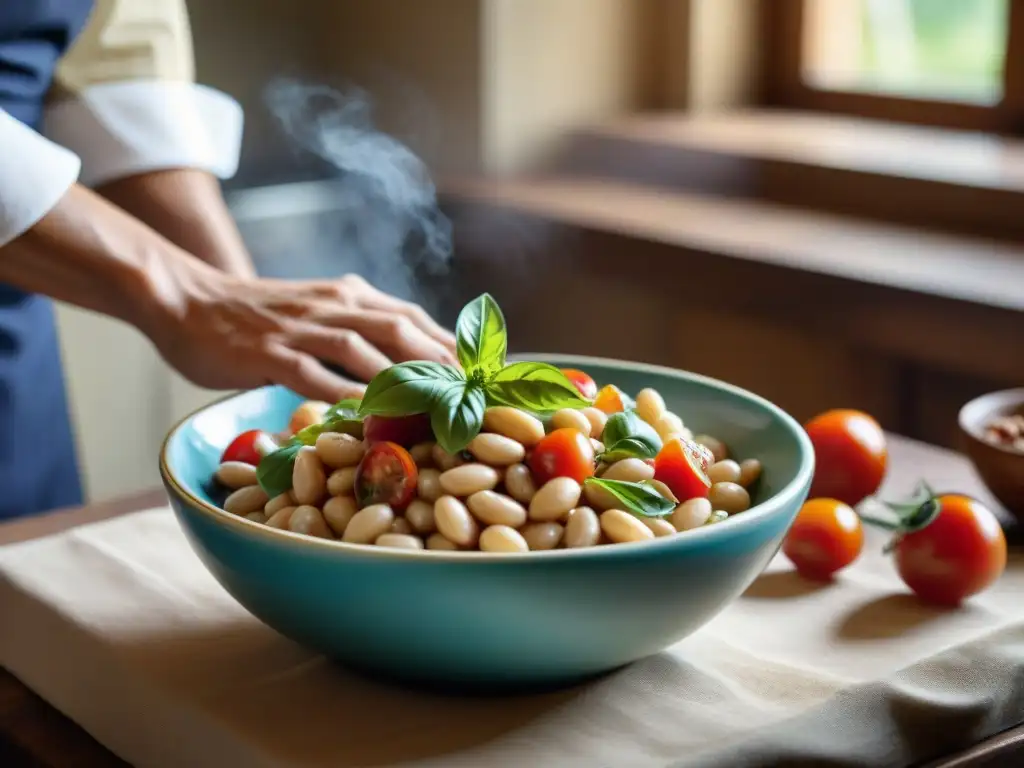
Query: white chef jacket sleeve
[[126, 102], [34, 175]]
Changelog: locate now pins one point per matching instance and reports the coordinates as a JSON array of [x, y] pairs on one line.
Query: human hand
[[229, 333]]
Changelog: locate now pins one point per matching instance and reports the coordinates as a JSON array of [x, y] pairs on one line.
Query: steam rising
[[386, 225]]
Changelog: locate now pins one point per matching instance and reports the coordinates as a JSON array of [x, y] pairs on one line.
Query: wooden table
[[32, 733]]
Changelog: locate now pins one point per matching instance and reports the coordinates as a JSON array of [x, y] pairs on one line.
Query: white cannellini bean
[[501, 538], [727, 471], [511, 422], [597, 419], [454, 521], [570, 418], [729, 497], [716, 446], [367, 524], [492, 508], [309, 480], [236, 474], [583, 529], [246, 500], [341, 481], [496, 450], [659, 526], [519, 483], [543, 536], [420, 515], [338, 450], [428, 485], [630, 471], [280, 518], [597, 445], [444, 460], [308, 520], [423, 454], [399, 541], [664, 490], [667, 425], [401, 525], [750, 471], [691, 514], [338, 512], [555, 499], [279, 502], [257, 517], [439, 543], [622, 528], [599, 498], [650, 405], [469, 479]]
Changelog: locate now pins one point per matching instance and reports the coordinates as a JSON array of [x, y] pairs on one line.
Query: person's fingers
[[368, 297], [342, 346], [393, 333], [302, 373]]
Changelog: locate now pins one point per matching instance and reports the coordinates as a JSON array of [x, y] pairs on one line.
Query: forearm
[[89, 253], [185, 206]]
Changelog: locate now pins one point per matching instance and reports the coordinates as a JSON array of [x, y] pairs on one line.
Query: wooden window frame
[[784, 86]]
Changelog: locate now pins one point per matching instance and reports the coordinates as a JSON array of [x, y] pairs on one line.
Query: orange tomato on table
[[850, 455], [826, 536]]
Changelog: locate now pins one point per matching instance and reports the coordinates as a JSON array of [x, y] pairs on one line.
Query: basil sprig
[[456, 399], [627, 436], [641, 499], [274, 473]]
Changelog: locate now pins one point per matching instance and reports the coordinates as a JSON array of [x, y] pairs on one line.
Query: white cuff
[[125, 128], [34, 175]]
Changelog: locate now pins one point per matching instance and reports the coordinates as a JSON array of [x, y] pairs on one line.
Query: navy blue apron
[[38, 465]]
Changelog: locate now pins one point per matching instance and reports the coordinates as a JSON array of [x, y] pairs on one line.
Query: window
[[957, 63]]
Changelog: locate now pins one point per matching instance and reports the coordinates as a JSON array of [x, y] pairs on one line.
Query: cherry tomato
[[306, 415], [249, 447], [680, 465], [387, 474], [563, 453], [611, 400], [958, 554], [826, 536], [850, 455], [407, 431], [586, 385]]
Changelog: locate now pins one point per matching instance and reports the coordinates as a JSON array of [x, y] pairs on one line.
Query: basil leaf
[[344, 409], [274, 473], [458, 415], [628, 425], [481, 338], [629, 448], [642, 499], [343, 424], [536, 387], [408, 388]]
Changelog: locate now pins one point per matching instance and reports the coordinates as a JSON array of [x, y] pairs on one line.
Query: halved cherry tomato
[[407, 431], [850, 455], [958, 554], [249, 447], [387, 474], [826, 536], [680, 465], [306, 415], [611, 400], [586, 385], [564, 453]]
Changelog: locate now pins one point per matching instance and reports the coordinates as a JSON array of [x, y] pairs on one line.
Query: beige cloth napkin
[[120, 626]]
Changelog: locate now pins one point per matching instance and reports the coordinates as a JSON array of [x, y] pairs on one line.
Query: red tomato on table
[[407, 431], [388, 475], [249, 447], [850, 455], [563, 453], [961, 552], [681, 466], [582, 381], [826, 536]]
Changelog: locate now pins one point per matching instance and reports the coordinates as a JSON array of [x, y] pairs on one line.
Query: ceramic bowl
[[1001, 468], [513, 620]]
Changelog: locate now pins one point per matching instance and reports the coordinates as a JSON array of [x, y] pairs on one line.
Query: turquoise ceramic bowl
[[496, 620]]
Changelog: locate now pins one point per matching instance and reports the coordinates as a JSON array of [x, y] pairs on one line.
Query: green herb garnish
[[640, 499], [274, 473], [627, 436]]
